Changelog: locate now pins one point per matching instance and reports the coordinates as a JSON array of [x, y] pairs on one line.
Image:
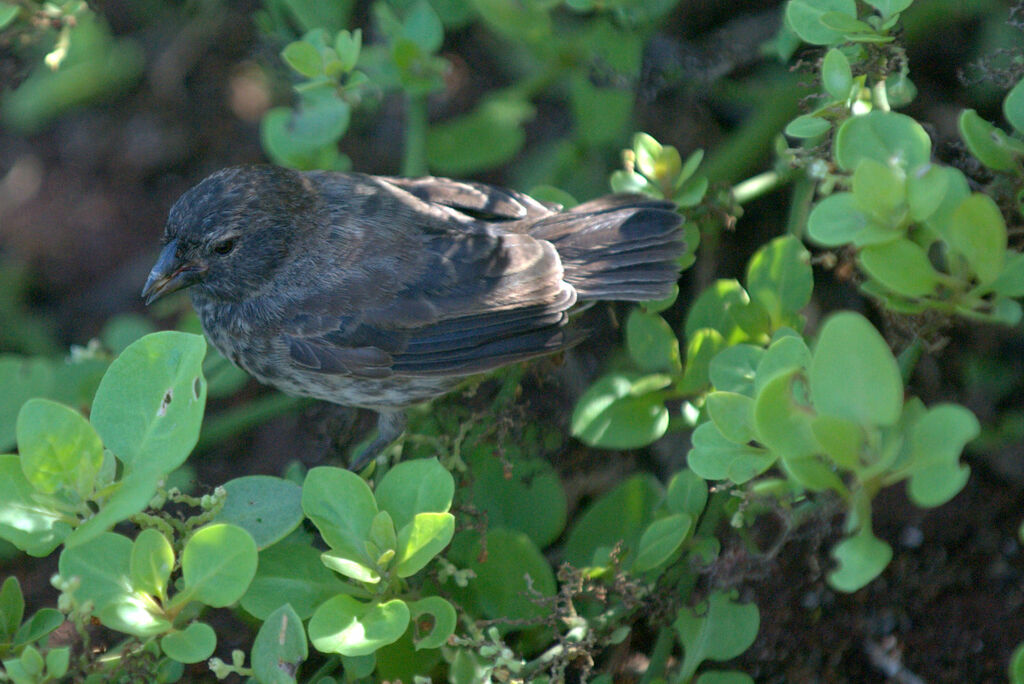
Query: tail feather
[[619, 248]]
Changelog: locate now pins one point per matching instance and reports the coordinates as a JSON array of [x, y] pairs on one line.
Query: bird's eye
[[224, 246]]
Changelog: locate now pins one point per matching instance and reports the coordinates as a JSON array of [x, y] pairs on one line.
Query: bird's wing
[[471, 301], [475, 200]]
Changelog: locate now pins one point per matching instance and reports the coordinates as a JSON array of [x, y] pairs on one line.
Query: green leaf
[[687, 493], [782, 416], [423, 27], [622, 411], [413, 487], [810, 472], [713, 457], [130, 495], [43, 622], [528, 497], [717, 629], [57, 661], [701, 348], [192, 645], [421, 540], [836, 221], [432, 632], [352, 628], [926, 189], [8, 12], [661, 540], [836, 75], [103, 565], [843, 440], [861, 559], [782, 356], [732, 414], [361, 569], [58, 448], [651, 343], [853, 374], [1010, 282], [217, 564], [713, 309], [880, 191], [618, 516], [266, 507], [487, 137], [509, 576], [807, 126], [304, 58], [280, 647], [342, 507], [977, 231], [937, 440], [290, 573], [723, 677], [1013, 106], [804, 17], [986, 142], [902, 266], [152, 560], [779, 278], [149, 405], [886, 137], [887, 8], [734, 369], [294, 137], [22, 379], [12, 609]]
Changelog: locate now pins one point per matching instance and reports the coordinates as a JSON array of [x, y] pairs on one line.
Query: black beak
[[170, 275]]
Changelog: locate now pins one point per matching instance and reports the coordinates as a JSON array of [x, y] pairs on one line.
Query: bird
[[382, 292]]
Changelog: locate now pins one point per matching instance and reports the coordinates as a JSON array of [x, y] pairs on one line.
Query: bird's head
[[229, 234]]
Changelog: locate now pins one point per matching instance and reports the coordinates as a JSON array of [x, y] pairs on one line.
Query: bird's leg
[[390, 426]]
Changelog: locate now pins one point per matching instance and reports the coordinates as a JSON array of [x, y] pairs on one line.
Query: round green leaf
[[266, 507], [292, 573], [218, 563], [713, 457], [660, 540], [986, 142], [779, 277], [489, 136], [853, 374], [58, 448], [434, 621], [413, 487], [861, 559], [509, 576], [280, 647], [836, 220], [529, 497], [1013, 106], [152, 560], [616, 412], [732, 414], [978, 232], [902, 266], [836, 75], [880, 191], [421, 540], [352, 628], [734, 368], [192, 645], [102, 565], [807, 126], [304, 58], [619, 516], [926, 189], [687, 493], [937, 440], [804, 17], [651, 343], [886, 137], [341, 506], [782, 416], [717, 629], [149, 405]]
